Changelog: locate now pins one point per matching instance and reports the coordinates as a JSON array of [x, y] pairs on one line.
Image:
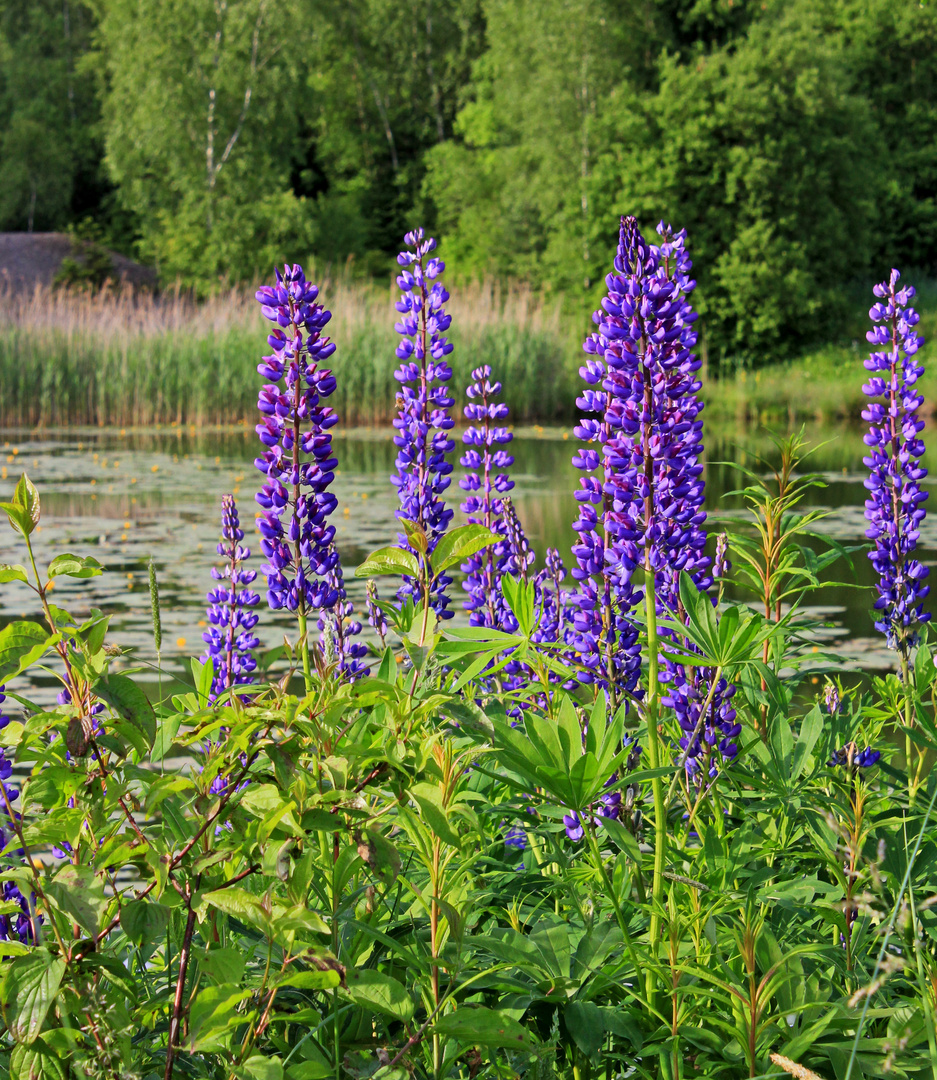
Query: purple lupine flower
[[376, 616], [831, 697], [516, 838], [719, 730], [12, 927], [484, 505], [653, 448], [339, 627], [6, 766], [895, 507], [605, 640], [852, 758], [230, 637], [423, 404], [16, 927], [652, 497], [298, 463], [552, 599], [575, 829]]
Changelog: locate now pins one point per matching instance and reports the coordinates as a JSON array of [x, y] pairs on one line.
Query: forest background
[[796, 141]]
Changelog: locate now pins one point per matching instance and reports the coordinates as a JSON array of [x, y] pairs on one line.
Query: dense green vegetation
[[795, 140]]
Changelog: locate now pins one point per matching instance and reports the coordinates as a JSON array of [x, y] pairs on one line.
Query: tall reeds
[[128, 360]]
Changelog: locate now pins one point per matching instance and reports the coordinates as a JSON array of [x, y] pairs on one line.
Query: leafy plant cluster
[[373, 878]]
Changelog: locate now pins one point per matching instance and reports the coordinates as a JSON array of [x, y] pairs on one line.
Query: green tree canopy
[[201, 114]]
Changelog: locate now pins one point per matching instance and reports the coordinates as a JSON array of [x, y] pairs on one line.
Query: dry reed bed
[[71, 358]]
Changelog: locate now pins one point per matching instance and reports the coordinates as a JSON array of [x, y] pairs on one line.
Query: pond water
[[126, 496]]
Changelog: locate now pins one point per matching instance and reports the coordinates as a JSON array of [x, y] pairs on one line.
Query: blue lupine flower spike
[[895, 507], [230, 637], [487, 485]]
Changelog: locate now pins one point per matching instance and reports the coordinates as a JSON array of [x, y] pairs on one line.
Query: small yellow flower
[[180, 642], [154, 468], [202, 622]]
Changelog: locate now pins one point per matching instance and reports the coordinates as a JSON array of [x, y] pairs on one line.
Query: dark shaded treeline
[[795, 139]]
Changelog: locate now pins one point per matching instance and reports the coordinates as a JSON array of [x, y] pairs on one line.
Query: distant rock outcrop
[[31, 259]]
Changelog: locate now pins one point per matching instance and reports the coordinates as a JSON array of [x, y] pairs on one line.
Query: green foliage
[[49, 112], [325, 887]]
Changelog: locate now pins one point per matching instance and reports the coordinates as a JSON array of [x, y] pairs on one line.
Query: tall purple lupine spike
[[605, 640], [653, 491], [230, 638], [296, 537], [484, 505], [341, 628], [423, 405], [895, 507]]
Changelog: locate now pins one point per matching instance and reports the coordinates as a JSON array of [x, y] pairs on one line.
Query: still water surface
[[124, 497]]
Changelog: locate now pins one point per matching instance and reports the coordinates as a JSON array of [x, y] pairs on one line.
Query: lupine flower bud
[[375, 613], [484, 506], [423, 419], [831, 697], [230, 638], [338, 628], [721, 564], [895, 507]]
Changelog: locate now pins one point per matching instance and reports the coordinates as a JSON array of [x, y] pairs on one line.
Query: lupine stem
[[657, 787], [304, 651]]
